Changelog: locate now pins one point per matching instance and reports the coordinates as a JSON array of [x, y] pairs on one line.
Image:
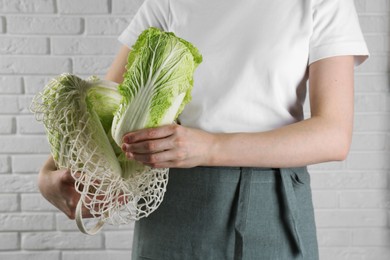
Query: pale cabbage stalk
[[85, 121]]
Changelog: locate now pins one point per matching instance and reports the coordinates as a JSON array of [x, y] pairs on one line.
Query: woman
[[238, 186]]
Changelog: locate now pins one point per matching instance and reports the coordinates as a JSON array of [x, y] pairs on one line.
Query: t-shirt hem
[[357, 49]]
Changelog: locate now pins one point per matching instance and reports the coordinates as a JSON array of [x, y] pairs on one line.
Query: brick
[[367, 6], [33, 202], [34, 65], [29, 125], [26, 221], [374, 23], [370, 237], [370, 103], [9, 203], [9, 241], [365, 199], [5, 164], [118, 239], [355, 253], [10, 84], [7, 125], [369, 161], [327, 166], [92, 65], [85, 46], [83, 6], [97, 255], [123, 227], [388, 142], [325, 199], [334, 237], [60, 240], [9, 104], [350, 218], [376, 42], [24, 144], [349, 180], [126, 7], [2, 24], [21, 255], [372, 83], [369, 142], [375, 64], [26, 6], [371, 122], [18, 183], [387, 42], [388, 215], [105, 25], [27, 163], [66, 224], [24, 104], [63, 223], [35, 84], [23, 45], [38, 25]]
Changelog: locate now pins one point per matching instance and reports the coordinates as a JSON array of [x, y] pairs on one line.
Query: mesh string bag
[[85, 121], [76, 140]]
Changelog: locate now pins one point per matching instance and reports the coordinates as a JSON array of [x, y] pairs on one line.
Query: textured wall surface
[[42, 38]]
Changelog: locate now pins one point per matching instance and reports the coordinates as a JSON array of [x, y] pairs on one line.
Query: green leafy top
[[157, 83]]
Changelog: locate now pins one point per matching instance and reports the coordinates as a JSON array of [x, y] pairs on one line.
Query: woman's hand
[[57, 186], [171, 146]]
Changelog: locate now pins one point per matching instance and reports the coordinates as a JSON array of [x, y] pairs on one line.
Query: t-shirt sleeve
[[336, 31], [152, 13]]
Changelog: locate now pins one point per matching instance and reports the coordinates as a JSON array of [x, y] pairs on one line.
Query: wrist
[[214, 153], [226, 150]]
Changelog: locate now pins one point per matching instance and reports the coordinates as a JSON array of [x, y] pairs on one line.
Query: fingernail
[[124, 147], [129, 155], [125, 139]]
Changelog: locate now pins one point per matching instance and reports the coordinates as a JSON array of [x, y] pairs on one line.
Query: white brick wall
[[352, 198], [39, 39], [42, 38]]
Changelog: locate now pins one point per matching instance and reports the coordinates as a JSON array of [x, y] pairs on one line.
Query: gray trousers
[[231, 213]]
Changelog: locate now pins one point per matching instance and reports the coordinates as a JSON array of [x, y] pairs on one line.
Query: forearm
[[118, 66], [326, 136], [308, 142]]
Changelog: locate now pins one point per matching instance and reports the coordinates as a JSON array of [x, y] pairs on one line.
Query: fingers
[[149, 146], [73, 198], [71, 205], [162, 159], [167, 146], [154, 146], [150, 134], [58, 187]]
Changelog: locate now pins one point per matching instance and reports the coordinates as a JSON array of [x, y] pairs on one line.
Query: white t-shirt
[[255, 54]]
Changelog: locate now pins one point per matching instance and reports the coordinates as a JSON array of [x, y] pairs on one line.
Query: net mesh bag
[[78, 142], [156, 86]]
